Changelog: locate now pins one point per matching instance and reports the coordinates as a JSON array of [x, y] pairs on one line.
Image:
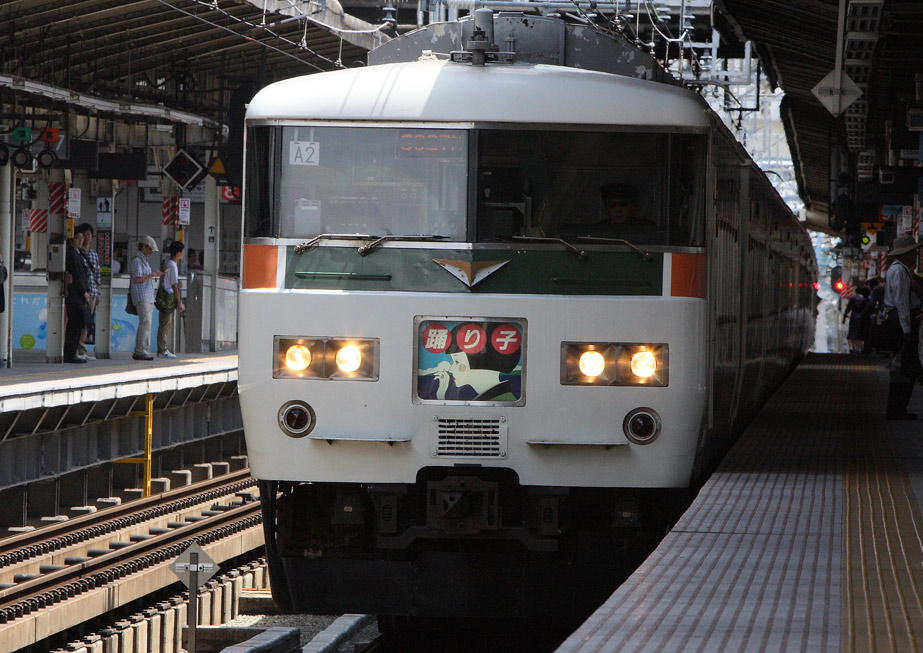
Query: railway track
[[63, 561]]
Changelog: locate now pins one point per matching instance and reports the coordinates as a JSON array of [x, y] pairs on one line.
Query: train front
[[472, 332]]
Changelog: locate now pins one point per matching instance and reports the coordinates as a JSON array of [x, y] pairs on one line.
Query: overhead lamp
[[4, 154], [47, 159], [22, 158]]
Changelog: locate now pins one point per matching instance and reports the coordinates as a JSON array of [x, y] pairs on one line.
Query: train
[[467, 388]]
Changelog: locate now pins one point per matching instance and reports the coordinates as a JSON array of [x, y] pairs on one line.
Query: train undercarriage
[[457, 543]]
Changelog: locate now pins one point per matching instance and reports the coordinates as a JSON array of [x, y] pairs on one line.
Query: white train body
[[485, 181], [563, 435]]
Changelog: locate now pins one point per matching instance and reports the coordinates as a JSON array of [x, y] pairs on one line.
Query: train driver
[[619, 204]]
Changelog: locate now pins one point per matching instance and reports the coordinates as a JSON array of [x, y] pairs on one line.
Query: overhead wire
[[249, 38]]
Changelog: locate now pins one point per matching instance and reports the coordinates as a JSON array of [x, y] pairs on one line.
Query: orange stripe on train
[[688, 277], [260, 266]]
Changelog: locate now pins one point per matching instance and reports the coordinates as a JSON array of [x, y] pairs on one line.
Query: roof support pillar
[[7, 257], [212, 240], [54, 341], [838, 64]]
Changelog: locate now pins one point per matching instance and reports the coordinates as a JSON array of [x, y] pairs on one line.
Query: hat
[[147, 240], [902, 245]]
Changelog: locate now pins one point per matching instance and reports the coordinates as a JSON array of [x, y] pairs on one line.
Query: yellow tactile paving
[[883, 557]]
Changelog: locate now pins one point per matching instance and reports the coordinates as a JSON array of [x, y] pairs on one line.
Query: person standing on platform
[[903, 299], [854, 310], [876, 298], [91, 258], [142, 294], [77, 298], [168, 307]]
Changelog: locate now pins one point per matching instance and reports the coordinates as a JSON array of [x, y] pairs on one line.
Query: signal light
[[46, 159], [22, 158], [838, 286]]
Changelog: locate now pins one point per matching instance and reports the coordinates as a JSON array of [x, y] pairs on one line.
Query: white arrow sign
[[194, 566], [836, 97]]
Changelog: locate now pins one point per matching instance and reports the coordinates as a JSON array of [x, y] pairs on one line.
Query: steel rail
[[56, 586], [24, 546]]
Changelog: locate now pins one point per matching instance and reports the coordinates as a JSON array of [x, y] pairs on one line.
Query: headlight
[[296, 419], [613, 363], [591, 363], [642, 425], [349, 359], [297, 358], [325, 358], [643, 364]]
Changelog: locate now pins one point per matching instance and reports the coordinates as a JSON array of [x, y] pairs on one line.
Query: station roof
[[796, 41], [186, 55]]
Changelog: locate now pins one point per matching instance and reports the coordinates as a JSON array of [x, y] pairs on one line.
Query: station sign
[[51, 135], [185, 209], [230, 194], [22, 134], [73, 203]]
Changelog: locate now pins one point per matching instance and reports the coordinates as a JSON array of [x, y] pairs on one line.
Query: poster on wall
[[31, 324], [104, 213]]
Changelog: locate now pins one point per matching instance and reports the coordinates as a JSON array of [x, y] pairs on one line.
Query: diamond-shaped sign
[[829, 92], [194, 567], [185, 170]]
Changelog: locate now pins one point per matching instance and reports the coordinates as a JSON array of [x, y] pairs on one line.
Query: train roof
[[443, 91]]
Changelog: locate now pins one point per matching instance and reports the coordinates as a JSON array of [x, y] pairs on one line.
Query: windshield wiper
[[301, 248], [643, 254], [581, 253], [375, 244]]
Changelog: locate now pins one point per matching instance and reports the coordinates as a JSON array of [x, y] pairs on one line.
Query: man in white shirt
[[142, 294], [903, 299]]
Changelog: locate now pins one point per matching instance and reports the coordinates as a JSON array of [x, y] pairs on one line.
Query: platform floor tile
[[806, 538]]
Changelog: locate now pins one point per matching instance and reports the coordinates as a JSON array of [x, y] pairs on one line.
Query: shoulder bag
[[130, 305], [163, 300]]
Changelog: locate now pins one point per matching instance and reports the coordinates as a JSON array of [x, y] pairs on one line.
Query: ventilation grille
[[469, 438]]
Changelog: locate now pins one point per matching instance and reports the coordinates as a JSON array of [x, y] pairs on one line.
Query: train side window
[[687, 181], [260, 187]]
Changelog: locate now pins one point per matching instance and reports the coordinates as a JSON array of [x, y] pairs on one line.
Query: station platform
[[33, 383], [806, 538]]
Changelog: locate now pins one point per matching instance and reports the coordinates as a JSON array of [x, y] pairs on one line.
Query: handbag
[[164, 301], [130, 305]]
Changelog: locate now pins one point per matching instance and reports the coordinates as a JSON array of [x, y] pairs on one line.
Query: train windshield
[[647, 188], [356, 180], [587, 186]]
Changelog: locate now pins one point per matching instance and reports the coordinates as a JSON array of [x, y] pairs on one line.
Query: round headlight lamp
[[643, 364], [591, 363], [349, 358], [642, 425], [296, 419], [297, 358]]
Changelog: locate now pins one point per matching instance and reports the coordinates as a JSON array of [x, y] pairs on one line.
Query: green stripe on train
[[526, 271]]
